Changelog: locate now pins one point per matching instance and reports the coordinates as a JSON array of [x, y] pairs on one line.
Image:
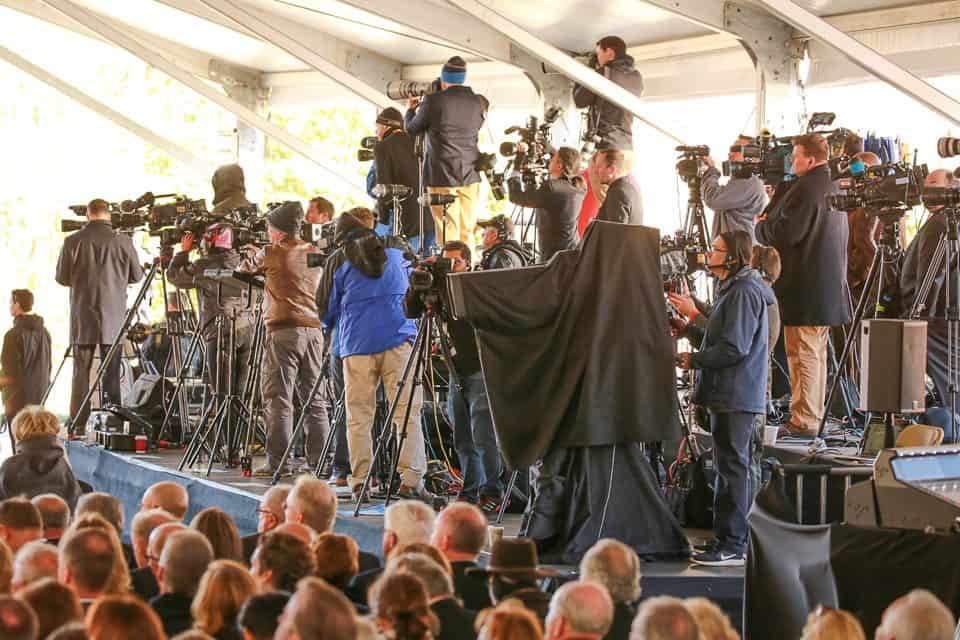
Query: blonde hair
[[826, 623], [33, 421], [121, 618], [119, 582], [221, 531], [223, 589], [712, 621], [510, 620]]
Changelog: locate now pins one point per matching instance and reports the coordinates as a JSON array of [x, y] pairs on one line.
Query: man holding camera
[[451, 120], [612, 124], [320, 211], [500, 250], [812, 289], [622, 202], [396, 164], [362, 293], [97, 263], [293, 343], [558, 201], [736, 204]]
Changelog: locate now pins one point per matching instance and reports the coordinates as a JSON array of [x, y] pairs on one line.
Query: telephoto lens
[[948, 147]]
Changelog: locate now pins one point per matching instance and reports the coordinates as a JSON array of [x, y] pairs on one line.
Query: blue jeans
[[732, 436], [474, 437]]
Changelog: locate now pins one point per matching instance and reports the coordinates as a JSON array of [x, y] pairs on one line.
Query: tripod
[[695, 219]]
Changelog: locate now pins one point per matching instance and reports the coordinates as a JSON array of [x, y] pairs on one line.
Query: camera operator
[[362, 291], [916, 262], [467, 406], [500, 250], [396, 163], [293, 342], [608, 121], [229, 189], [732, 365], [97, 263], [558, 201], [737, 203], [622, 202], [812, 289], [451, 120], [320, 211]]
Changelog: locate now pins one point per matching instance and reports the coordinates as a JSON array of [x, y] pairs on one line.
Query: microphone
[[146, 200], [391, 191], [437, 199]]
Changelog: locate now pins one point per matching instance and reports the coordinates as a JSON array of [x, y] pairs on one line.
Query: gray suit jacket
[[97, 264]]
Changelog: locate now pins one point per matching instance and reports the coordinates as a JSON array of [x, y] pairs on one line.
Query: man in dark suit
[[97, 263], [460, 533], [183, 562], [622, 202]]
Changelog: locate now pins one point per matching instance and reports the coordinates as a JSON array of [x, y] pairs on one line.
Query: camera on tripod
[[886, 188], [690, 163], [366, 151], [428, 277], [680, 256], [406, 89]]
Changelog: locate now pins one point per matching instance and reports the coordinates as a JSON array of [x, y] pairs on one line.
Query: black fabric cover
[[577, 352]]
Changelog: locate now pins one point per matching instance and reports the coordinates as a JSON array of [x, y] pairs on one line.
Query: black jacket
[[504, 255], [471, 589], [456, 623], [451, 120], [144, 584], [917, 261], [229, 190], [26, 363], [612, 123], [97, 264], [174, 612], [623, 615], [463, 339], [39, 466], [360, 585], [623, 202], [812, 241], [396, 163], [534, 600], [558, 202]]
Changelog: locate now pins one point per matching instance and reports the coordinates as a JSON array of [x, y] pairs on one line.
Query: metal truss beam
[[706, 13], [151, 57], [563, 63], [88, 101]]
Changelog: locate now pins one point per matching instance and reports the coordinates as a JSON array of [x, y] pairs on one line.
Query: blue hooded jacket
[[732, 361]]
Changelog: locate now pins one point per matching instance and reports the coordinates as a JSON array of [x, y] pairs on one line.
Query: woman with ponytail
[[401, 607]]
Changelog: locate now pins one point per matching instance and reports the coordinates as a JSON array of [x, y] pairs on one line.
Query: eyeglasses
[[266, 512]]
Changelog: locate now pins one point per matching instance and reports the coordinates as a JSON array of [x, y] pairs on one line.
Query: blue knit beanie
[[454, 71]]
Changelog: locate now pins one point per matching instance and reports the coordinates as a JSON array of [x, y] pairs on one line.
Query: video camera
[[530, 155], [690, 162], [887, 188], [323, 236], [367, 145], [145, 213], [680, 257]]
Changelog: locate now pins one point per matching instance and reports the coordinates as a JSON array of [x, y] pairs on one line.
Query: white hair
[[409, 520], [35, 560], [585, 606], [615, 566]]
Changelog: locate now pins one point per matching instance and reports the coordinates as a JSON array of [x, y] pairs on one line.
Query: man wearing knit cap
[[396, 164], [451, 120], [293, 344]]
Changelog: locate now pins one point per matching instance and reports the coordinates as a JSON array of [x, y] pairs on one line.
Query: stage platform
[[128, 475]]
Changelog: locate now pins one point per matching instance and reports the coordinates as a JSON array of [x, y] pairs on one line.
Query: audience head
[[436, 580], [260, 615], [712, 621], [122, 618], [55, 514], [270, 513], [281, 561], [664, 618], [55, 605], [221, 531], [33, 421], [87, 558], [581, 609], [103, 504], [6, 567], [34, 561], [512, 566], [17, 620], [183, 561], [156, 543], [405, 522], [823, 623], [297, 530], [20, 522], [120, 574], [311, 502], [919, 615], [144, 524], [509, 621], [610, 165], [71, 631], [401, 608], [301, 622], [225, 586], [767, 261], [460, 532], [428, 550], [169, 496], [615, 566], [337, 559]]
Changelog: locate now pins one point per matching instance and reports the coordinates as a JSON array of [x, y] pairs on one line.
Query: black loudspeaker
[[894, 364]]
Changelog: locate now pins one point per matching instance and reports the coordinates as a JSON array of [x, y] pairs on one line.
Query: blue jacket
[[361, 293], [733, 359]]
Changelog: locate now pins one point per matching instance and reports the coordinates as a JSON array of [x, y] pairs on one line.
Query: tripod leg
[[401, 440], [508, 494], [328, 444], [297, 429], [56, 376]]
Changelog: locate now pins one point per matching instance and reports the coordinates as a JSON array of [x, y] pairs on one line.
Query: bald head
[[869, 158], [169, 496], [460, 532], [919, 615], [664, 618], [616, 567], [581, 609], [297, 530], [270, 513], [55, 513]]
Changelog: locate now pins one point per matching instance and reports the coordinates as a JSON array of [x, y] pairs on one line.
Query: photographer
[[229, 189], [467, 406], [731, 381], [812, 289], [737, 203], [622, 202], [557, 200], [293, 343], [500, 250], [319, 211], [451, 120], [97, 263], [396, 163], [362, 293], [608, 121]]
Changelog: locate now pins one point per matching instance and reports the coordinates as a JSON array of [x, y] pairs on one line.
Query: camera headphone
[[728, 261]]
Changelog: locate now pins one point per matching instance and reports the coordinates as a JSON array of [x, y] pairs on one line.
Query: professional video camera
[[367, 145], [680, 257], [887, 188], [406, 89], [948, 147], [486, 164], [941, 197], [145, 213], [690, 162], [530, 155]]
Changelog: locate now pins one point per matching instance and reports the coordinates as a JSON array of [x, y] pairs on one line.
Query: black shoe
[[709, 545], [718, 558], [406, 492]]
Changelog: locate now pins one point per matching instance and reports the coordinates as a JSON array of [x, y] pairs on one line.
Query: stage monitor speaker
[[893, 367]]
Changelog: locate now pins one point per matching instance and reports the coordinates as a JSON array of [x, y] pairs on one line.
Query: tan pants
[[807, 357], [461, 219], [361, 376], [599, 189]]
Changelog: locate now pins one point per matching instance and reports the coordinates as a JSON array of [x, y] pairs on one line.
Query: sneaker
[[718, 558], [490, 505], [708, 545]]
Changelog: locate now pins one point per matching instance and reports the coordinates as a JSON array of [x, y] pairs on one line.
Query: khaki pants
[[807, 357], [461, 219], [361, 376]]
